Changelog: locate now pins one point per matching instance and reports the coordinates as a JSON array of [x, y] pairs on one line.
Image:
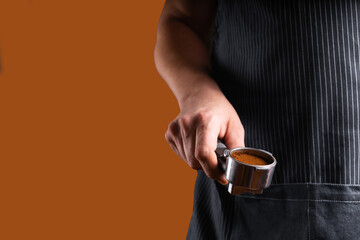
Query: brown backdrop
[[83, 113]]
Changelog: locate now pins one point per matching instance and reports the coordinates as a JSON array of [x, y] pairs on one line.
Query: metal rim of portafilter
[[244, 177]]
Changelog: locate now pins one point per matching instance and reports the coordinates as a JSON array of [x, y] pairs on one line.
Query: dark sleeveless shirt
[[291, 69]]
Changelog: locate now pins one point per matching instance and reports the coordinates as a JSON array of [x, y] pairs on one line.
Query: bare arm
[[181, 51], [182, 59]]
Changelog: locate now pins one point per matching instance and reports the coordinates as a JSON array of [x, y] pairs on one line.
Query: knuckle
[[173, 127], [202, 153], [203, 117], [184, 121]]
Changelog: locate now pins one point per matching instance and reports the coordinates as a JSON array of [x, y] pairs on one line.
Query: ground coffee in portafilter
[[248, 159]]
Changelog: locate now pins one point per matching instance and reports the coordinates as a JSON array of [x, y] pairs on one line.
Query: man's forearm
[[182, 57]]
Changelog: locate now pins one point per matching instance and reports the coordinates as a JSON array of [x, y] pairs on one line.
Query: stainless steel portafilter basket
[[244, 177]]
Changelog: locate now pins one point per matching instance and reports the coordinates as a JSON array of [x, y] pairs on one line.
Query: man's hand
[[205, 117], [182, 59]]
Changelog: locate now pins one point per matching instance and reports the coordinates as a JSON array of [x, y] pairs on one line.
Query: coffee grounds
[[248, 159]]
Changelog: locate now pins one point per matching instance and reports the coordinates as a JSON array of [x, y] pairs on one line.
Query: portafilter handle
[[221, 152]]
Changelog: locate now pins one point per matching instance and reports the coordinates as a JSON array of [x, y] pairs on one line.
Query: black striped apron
[[291, 69]]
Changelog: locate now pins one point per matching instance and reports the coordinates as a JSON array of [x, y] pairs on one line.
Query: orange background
[[83, 113]]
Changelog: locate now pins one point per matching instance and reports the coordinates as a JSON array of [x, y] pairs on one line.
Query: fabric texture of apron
[[291, 69]]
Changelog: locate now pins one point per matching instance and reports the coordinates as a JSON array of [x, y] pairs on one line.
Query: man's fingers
[[190, 153], [188, 132], [173, 137], [206, 143]]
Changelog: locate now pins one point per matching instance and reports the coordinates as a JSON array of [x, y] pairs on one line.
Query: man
[[290, 70]]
